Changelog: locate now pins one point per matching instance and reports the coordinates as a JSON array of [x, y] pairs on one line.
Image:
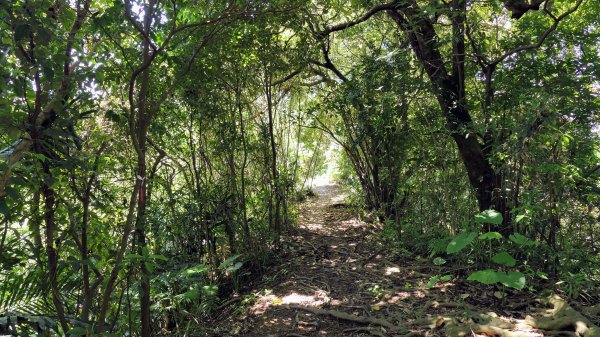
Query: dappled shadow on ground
[[335, 280]]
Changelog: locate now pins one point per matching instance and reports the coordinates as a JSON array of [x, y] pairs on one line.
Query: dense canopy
[[153, 153]]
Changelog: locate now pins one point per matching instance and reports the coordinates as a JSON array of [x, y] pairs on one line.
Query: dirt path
[[337, 281]]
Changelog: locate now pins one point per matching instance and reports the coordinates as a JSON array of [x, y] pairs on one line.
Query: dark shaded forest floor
[[335, 281]]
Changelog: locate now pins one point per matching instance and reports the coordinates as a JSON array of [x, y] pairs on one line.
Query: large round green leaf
[[513, 279], [460, 242], [489, 216], [490, 236], [487, 276], [504, 258]]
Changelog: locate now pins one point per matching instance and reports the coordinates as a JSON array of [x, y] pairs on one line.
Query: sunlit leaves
[[438, 261], [520, 217], [521, 240], [488, 276], [489, 216], [513, 279], [461, 241], [490, 236]]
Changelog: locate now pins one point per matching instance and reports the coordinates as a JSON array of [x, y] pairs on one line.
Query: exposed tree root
[[370, 330], [564, 317], [561, 320], [489, 330], [353, 318]]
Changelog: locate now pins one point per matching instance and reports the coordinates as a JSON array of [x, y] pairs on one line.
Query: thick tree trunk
[[450, 93]]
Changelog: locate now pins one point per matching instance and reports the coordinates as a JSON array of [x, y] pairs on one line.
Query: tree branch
[[541, 38], [328, 64], [288, 77], [341, 26]]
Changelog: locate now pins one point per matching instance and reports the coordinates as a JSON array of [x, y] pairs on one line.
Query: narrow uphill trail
[[335, 279]]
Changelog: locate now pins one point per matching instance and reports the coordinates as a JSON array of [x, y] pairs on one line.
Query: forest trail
[[334, 279]]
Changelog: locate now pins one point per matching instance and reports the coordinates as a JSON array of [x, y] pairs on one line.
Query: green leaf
[[520, 217], [432, 281], [460, 242], [229, 261], [489, 216], [513, 279], [133, 257], [446, 278], [233, 268], [438, 261], [77, 331], [490, 236], [99, 75], [520, 239], [487, 276], [210, 290], [504, 258], [188, 296], [159, 257], [198, 269]]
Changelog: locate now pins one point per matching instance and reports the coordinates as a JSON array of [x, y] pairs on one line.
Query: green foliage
[[490, 236], [184, 290], [504, 258], [435, 279], [438, 261], [489, 216], [513, 279], [521, 240], [578, 285], [232, 119], [460, 242]]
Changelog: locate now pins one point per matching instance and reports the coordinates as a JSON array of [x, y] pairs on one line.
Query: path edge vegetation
[[154, 152]]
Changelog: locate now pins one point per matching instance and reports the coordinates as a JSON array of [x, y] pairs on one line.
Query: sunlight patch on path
[[313, 226], [263, 303]]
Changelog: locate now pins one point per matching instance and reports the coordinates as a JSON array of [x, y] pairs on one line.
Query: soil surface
[[336, 279]]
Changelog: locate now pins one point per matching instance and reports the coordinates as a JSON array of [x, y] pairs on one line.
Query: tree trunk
[[450, 94], [273, 164], [242, 197], [49, 213]]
